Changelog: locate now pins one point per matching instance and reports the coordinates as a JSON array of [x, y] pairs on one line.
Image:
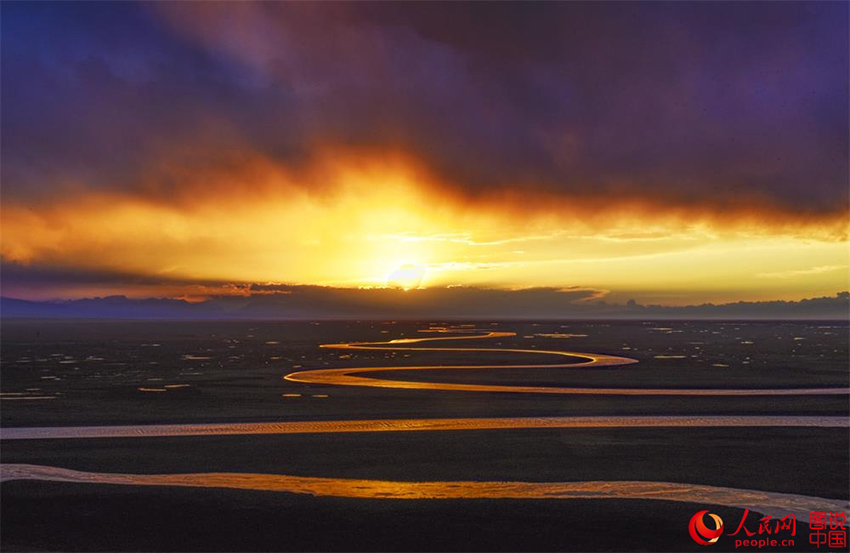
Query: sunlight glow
[[407, 276], [373, 224]]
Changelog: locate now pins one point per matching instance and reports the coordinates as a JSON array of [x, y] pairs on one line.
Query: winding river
[[772, 503]]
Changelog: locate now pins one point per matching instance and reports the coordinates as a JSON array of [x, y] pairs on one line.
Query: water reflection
[[346, 376], [413, 425], [767, 503]]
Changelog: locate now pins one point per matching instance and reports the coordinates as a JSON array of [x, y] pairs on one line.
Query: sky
[[673, 153]]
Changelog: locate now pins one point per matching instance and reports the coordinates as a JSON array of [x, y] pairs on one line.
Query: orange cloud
[[349, 219]]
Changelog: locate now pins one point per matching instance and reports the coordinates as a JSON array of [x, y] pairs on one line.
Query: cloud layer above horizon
[[687, 151]]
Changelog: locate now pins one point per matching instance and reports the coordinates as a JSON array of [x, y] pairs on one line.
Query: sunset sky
[[674, 153]]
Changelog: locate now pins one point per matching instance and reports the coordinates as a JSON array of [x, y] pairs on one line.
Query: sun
[[407, 276]]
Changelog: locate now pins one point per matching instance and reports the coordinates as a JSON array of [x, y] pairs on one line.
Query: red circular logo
[[701, 533]]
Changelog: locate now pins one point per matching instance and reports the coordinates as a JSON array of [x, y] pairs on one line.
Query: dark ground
[[82, 518], [242, 381]]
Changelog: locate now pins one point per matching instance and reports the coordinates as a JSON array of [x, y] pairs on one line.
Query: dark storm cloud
[[50, 275], [701, 105], [44, 280]]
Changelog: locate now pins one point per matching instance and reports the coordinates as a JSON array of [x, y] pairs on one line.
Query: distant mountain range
[[313, 302]]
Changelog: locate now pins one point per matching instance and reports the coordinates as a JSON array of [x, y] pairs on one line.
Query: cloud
[[803, 272], [172, 149], [51, 282], [718, 108]]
